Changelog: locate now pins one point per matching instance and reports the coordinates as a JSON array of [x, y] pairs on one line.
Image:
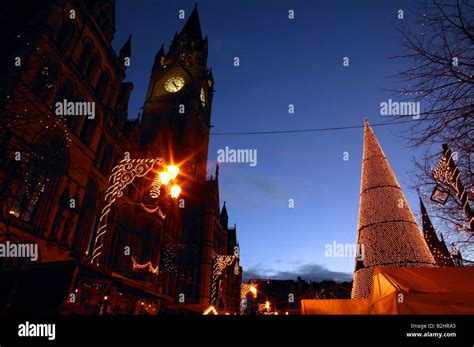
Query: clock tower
[[176, 115]]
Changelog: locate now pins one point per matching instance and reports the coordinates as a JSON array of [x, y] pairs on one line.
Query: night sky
[[286, 62]]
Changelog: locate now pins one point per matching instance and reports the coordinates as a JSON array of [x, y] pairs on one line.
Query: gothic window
[[84, 239], [106, 160], [92, 66], [65, 35], [43, 82], [101, 87], [73, 122], [46, 165], [88, 130], [84, 58]]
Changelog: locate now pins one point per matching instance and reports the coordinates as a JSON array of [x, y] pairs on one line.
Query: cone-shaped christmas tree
[[438, 248], [387, 227]]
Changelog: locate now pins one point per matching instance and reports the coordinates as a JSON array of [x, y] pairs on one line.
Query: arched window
[[84, 57], [88, 130], [46, 165], [106, 160], [102, 83], [65, 35], [43, 82], [74, 122], [92, 66], [86, 229]]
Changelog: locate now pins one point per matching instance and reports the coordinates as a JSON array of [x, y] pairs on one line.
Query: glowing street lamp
[[165, 177], [173, 171], [267, 305], [175, 191], [253, 290]]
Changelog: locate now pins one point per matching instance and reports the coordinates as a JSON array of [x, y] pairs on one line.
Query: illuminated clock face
[[174, 84], [203, 97]]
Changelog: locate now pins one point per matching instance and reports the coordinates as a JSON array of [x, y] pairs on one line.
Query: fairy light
[[388, 230], [169, 258]]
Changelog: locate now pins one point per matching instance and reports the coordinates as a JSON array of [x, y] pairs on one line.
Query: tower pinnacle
[[437, 247], [192, 28]]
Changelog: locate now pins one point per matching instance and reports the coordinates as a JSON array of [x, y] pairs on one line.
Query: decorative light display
[[447, 174], [387, 227], [148, 265], [155, 188], [169, 258], [244, 290], [122, 175], [220, 263], [210, 309]]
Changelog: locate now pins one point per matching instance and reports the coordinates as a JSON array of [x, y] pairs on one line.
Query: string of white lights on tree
[[169, 259]]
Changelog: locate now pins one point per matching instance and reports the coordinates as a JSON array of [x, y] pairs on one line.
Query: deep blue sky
[[281, 62]]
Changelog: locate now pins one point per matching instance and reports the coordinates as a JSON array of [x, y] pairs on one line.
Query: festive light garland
[[210, 309], [155, 189], [168, 258], [220, 263], [447, 174], [122, 175], [148, 265]]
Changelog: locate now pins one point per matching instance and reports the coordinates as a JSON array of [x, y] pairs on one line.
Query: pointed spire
[[224, 211], [161, 51], [438, 248], [192, 28], [126, 50], [387, 228], [224, 217], [159, 57]]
